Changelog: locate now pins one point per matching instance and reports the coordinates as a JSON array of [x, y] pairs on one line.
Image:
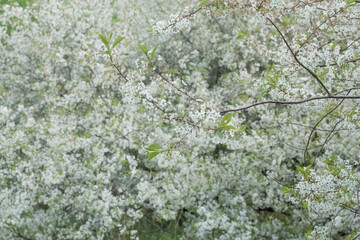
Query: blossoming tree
[[215, 119]]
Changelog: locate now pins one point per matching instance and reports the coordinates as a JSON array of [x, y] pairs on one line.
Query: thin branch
[[266, 175], [183, 17], [297, 60], [330, 135], [317, 27], [326, 115], [357, 195], [155, 104], [183, 137], [348, 89], [335, 64], [118, 69], [173, 85], [290, 102], [159, 5], [320, 130], [332, 223], [301, 149], [358, 235], [351, 44]]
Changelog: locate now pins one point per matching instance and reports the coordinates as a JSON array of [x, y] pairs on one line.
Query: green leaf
[[304, 171], [301, 170], [241, 129], [324, 72], [327, 161], [151, 155], [228, 127], [287, 21], [350, 3], [307, 169], [144, 49], [242, 35], [226, 119], [219, 134], [117, 41], [154, 148], [153, 51], [350, 237], [285, 189], [355, 67], [105, 41], [172, 70], [203, 3]]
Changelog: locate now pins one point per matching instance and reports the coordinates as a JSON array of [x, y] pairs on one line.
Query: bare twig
[[173, 85], [358, 235], [297, 60], [183, 137], [318, 27], [183, 17], [290, 102], [326, 115], [118, 69], [350, 44], [320, 130], [155, 104], [330, 135], [334, 64]]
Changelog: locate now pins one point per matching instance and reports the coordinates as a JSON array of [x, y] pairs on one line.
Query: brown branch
[[173, 85], [330, 135], [155, 104], [347, 89], [183, 137], [290, 102], [182, 17], [320, 130], [297, 60], [358, 235], [334, 64], [118, 69], [317, 27], [351, 44], [326, 115]]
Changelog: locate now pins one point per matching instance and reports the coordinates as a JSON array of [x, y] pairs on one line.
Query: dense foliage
[[215, 119]]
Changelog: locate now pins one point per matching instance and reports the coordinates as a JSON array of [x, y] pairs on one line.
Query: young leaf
[[228, 127], [219, 134], [154, 148], [151, 155], [144, 49], [172, 70], [153, 51], [105, 41], [301, 170], [241, 129], [350, 3], [242, 35], [285, 189], [202, 3], [327, 161], [226, 119], [117, 41]]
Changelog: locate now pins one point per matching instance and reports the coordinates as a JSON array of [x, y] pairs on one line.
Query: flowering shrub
[[208, 119]]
